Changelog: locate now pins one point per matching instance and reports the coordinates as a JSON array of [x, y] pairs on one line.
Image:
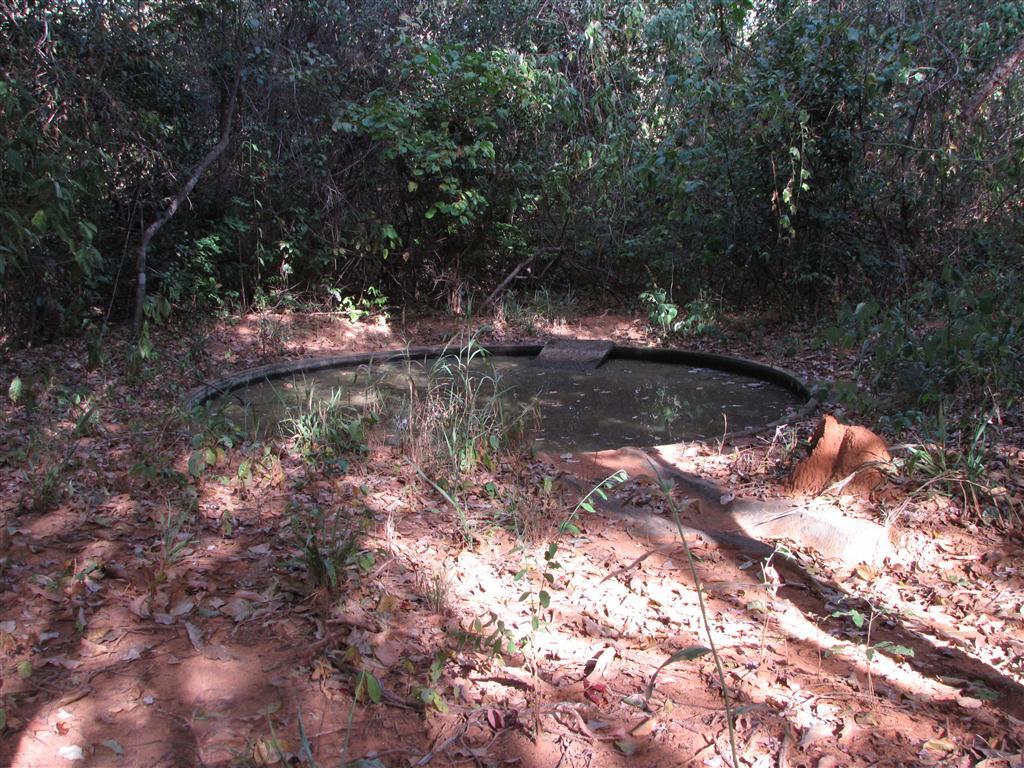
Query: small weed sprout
[[888, 647], [428, 693]]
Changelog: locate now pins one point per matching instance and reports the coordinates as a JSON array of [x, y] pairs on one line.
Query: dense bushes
[[802, 154], [960, 336]]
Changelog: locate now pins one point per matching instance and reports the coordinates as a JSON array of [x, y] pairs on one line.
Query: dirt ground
[[152, 615]]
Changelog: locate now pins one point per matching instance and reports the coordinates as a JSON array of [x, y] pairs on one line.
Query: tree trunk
[[141, 258], [997, 80]]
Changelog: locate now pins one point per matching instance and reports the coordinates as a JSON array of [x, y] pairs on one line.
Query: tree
[[227, 113]]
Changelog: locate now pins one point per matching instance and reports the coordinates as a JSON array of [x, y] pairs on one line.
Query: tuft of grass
[[464, 421], [272, 334], [954, 463], [328, 430], [528, 311], [436, 588], [461, 425]]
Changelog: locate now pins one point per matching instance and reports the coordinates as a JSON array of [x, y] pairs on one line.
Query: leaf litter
[[211, 638]]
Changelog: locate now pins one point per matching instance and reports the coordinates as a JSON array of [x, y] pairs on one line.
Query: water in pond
[[623, 402]]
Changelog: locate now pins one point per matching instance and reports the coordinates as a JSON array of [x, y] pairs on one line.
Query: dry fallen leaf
[[238, 609], [195, 635], [388, 653], [646, 728], [866, 572], [816, 732], [938, 746]]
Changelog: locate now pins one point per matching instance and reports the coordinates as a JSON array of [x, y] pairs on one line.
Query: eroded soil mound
[[838, 452]]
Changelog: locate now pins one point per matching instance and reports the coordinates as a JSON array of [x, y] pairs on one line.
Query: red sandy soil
[[222, 653]]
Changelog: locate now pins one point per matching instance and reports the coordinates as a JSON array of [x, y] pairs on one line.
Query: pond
[[622, 402]]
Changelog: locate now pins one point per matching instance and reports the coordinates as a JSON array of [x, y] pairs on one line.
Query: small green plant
[[46, 486], [661, 310], [537, 594], [174, 543], [491, 636], [23, 392], [697, 318], [48, 490], [260, 465], [428, 693], [370, 304], [870, 649], [368, 687], [327, 549], [700, 318], [213, 434]]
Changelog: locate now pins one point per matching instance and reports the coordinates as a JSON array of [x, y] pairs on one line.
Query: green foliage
[[49, 263], [457, 135], [371, 304], [961, 338], [697, 318], [800, 155]]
